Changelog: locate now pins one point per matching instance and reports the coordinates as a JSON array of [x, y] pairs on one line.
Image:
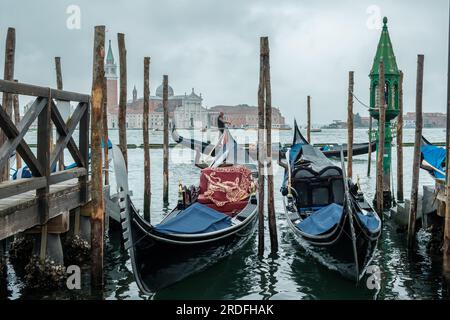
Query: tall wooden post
[[369, 156], [308, 124], [380, 154], [268, 118], [123, 96], [350, 125], [97, 205], [147, 168], [446, 246], [400, 141], [10, 50], [261, 146], [166, 140], [105, 133], [59, 86], [16, 109], [416, 160]]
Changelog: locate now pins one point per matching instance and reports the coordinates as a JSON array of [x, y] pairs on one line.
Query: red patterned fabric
[[226, 188]]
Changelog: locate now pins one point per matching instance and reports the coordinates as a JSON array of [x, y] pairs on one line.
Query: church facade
[[185, 110]]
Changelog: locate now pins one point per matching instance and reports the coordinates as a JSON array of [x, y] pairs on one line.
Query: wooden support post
[[10, 49], [446, 246], [59, 86], [416, 160], [350, 125], [123, 97], [97, 207], [400, 197], [166, 140], [380, 155], [369, 156], [147, 168], [308, 121], [105, 136], [268, 120], [16, 110], [261, 147]]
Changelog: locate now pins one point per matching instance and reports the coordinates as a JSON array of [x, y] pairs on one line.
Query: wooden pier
[[39, 200]]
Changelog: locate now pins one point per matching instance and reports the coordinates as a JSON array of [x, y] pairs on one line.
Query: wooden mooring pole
[[123, 97], [10, 50], [16, 109], [308, 121], [416, 160], [59, 86], [261, 147], [400, 197], [97, 205], [268, 118], [105, 133], [147, 168], [166, 140], [446, 245], [350, 125], [380, 155]]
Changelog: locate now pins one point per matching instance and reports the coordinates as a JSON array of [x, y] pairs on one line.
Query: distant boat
[[316, 130]]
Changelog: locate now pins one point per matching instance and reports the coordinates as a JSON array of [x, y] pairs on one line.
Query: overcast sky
[[213, 46]]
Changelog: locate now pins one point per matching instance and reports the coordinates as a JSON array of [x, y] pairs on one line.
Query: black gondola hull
[[158, 264], [336, 250]]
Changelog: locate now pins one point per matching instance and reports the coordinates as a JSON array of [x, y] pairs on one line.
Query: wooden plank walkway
[[20, 212]]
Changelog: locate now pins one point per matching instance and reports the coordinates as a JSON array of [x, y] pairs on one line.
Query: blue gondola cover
[[197, 218], [322, 220], [370, 221], [434, 156]]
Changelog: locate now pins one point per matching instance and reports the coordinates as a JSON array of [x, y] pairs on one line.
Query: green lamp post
[[385, 53]]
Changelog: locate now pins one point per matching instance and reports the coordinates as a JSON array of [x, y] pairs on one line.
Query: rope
[[362, 103]]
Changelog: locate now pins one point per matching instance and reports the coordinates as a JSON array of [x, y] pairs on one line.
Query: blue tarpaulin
[[369, 221], [197, 218], [322, 220], [434, 156]]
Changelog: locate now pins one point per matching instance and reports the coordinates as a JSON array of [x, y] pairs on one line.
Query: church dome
[[159, 91]]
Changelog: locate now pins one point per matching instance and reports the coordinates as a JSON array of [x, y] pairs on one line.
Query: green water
[[290, 274]]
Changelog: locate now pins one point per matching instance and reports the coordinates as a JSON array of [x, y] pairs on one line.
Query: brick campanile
[[111, 81]]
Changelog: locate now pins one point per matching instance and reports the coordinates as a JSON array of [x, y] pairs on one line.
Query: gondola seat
[[225, 189]]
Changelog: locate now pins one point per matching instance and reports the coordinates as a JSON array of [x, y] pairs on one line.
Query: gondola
[[433, 159], [326, 212], [334, 151], [209, 223]]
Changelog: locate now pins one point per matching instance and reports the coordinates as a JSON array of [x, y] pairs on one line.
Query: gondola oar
[[350, 214]]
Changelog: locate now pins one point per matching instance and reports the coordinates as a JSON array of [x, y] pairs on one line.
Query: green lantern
[[385, 53]]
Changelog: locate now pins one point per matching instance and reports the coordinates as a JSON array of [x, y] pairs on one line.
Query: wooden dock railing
[[45, 111]]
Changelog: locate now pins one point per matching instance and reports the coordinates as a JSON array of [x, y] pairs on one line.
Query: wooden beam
[[36, 91], [166, 140], [98, 212], [123, 97], [43, 155], [59, 86], [105, 137], [16, 187], [16, 136], [16, 110], [350, 125], [65, 134], [308, 120], [417, 154], [66, 175], [369, 156], [10, 48], [261, 145], [268, 117], [400, 197], [147, 166]]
